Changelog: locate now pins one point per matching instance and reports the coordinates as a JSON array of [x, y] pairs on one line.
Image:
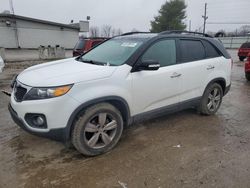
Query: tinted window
[[163, 51], [80, 44], [191, 50], [245, 45], [211, 51]]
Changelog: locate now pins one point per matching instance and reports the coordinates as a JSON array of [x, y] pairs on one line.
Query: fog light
[[36, 120]]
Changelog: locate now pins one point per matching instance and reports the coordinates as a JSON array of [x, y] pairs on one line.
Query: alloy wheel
[[100, 130]]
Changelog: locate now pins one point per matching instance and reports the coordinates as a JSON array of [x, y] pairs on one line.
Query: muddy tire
[[211, 99], [97, 130], [247, 76], [242, 58]]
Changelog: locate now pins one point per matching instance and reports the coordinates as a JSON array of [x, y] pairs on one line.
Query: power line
[[229, 23]]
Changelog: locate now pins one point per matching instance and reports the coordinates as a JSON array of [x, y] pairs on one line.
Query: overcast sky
[[130, 14]]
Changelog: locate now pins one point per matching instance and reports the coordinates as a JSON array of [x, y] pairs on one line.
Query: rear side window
[[80, 45], [245, 45], [163, 51], [191, 50], [211, 51]]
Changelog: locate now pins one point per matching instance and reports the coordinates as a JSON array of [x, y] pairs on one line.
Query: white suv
[[88, 100]]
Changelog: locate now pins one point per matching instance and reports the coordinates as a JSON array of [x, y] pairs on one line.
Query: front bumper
[[55, 134]]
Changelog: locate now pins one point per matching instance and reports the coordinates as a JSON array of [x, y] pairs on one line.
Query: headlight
[[46, 93]]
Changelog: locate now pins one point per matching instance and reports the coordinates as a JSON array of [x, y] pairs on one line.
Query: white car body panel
[[63, 72], [155, 89]]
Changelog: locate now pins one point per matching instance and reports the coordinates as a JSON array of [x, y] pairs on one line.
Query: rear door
[[196, 68]]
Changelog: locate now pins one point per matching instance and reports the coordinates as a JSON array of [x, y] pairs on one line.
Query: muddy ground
[[179, 150]]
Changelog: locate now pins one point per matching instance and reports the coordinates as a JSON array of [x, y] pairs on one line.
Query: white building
[[29, 33]]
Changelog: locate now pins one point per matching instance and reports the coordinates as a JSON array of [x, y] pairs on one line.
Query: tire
[[211, 100], [242, 58], [97, 130], [247, 76]]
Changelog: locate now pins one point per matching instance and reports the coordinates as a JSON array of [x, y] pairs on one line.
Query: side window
[[163, 51], [191, 50], [211, 51]]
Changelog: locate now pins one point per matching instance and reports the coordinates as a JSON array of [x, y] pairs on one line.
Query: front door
[[155, 89]]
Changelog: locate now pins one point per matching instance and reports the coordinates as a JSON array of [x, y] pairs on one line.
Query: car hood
[[63, 72]]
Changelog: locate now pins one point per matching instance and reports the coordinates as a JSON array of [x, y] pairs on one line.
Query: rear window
[[80, 45], [191, 50], [245, 45], [211, 51]]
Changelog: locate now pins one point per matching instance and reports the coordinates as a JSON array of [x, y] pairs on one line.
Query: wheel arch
[[116, 101], [220, 81]]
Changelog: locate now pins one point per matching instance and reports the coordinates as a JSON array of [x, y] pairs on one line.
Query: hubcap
[[100, 130], [214, 99]]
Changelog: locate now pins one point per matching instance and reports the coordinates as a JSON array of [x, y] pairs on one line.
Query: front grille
[[19, 93]]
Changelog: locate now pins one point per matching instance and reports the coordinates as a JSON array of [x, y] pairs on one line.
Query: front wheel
[[98, 130], [211, 99], [248, 76]]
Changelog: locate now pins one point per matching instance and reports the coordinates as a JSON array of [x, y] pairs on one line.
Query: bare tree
[[119, 31], [244, 30], [94, 32], [116, 32], [106, 31]]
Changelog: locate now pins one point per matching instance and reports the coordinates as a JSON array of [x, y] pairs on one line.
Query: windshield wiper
[[91, 61]]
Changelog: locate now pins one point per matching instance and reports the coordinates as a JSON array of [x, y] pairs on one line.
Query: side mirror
[[149, 65]]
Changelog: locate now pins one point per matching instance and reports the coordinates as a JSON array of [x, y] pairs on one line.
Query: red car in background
[[247, 67], [244, 50], [85, 44]]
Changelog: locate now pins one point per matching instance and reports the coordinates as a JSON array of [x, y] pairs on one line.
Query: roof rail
[[185, 32], [136, 32]]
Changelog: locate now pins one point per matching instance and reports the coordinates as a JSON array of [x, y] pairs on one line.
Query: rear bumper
[[54, 134]]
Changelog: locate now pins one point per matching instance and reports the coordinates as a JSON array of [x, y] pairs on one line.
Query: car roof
[[176, 34], [245, 45]]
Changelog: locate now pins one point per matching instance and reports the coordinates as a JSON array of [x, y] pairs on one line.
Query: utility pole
[[15, 23], [205, 19], [190, 25], [11, 7]]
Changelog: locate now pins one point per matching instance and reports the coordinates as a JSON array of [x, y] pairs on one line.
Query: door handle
[[210, 67], [175, 75]]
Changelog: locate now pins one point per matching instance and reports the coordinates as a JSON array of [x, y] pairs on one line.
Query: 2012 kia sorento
[[88, 100]]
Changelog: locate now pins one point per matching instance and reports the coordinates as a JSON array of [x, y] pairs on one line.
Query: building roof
[[12, 16]]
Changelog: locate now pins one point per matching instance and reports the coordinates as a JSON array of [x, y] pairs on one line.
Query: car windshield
[[113, 52]]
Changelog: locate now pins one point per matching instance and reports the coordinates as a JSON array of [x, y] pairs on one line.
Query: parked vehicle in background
[[85, 44], [247, 67], [244, 50], [89, 99], [1, 64]]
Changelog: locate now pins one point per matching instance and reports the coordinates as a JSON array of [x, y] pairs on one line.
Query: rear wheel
[[248, 76], [98, 130], [242, 58], [211, 99]]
